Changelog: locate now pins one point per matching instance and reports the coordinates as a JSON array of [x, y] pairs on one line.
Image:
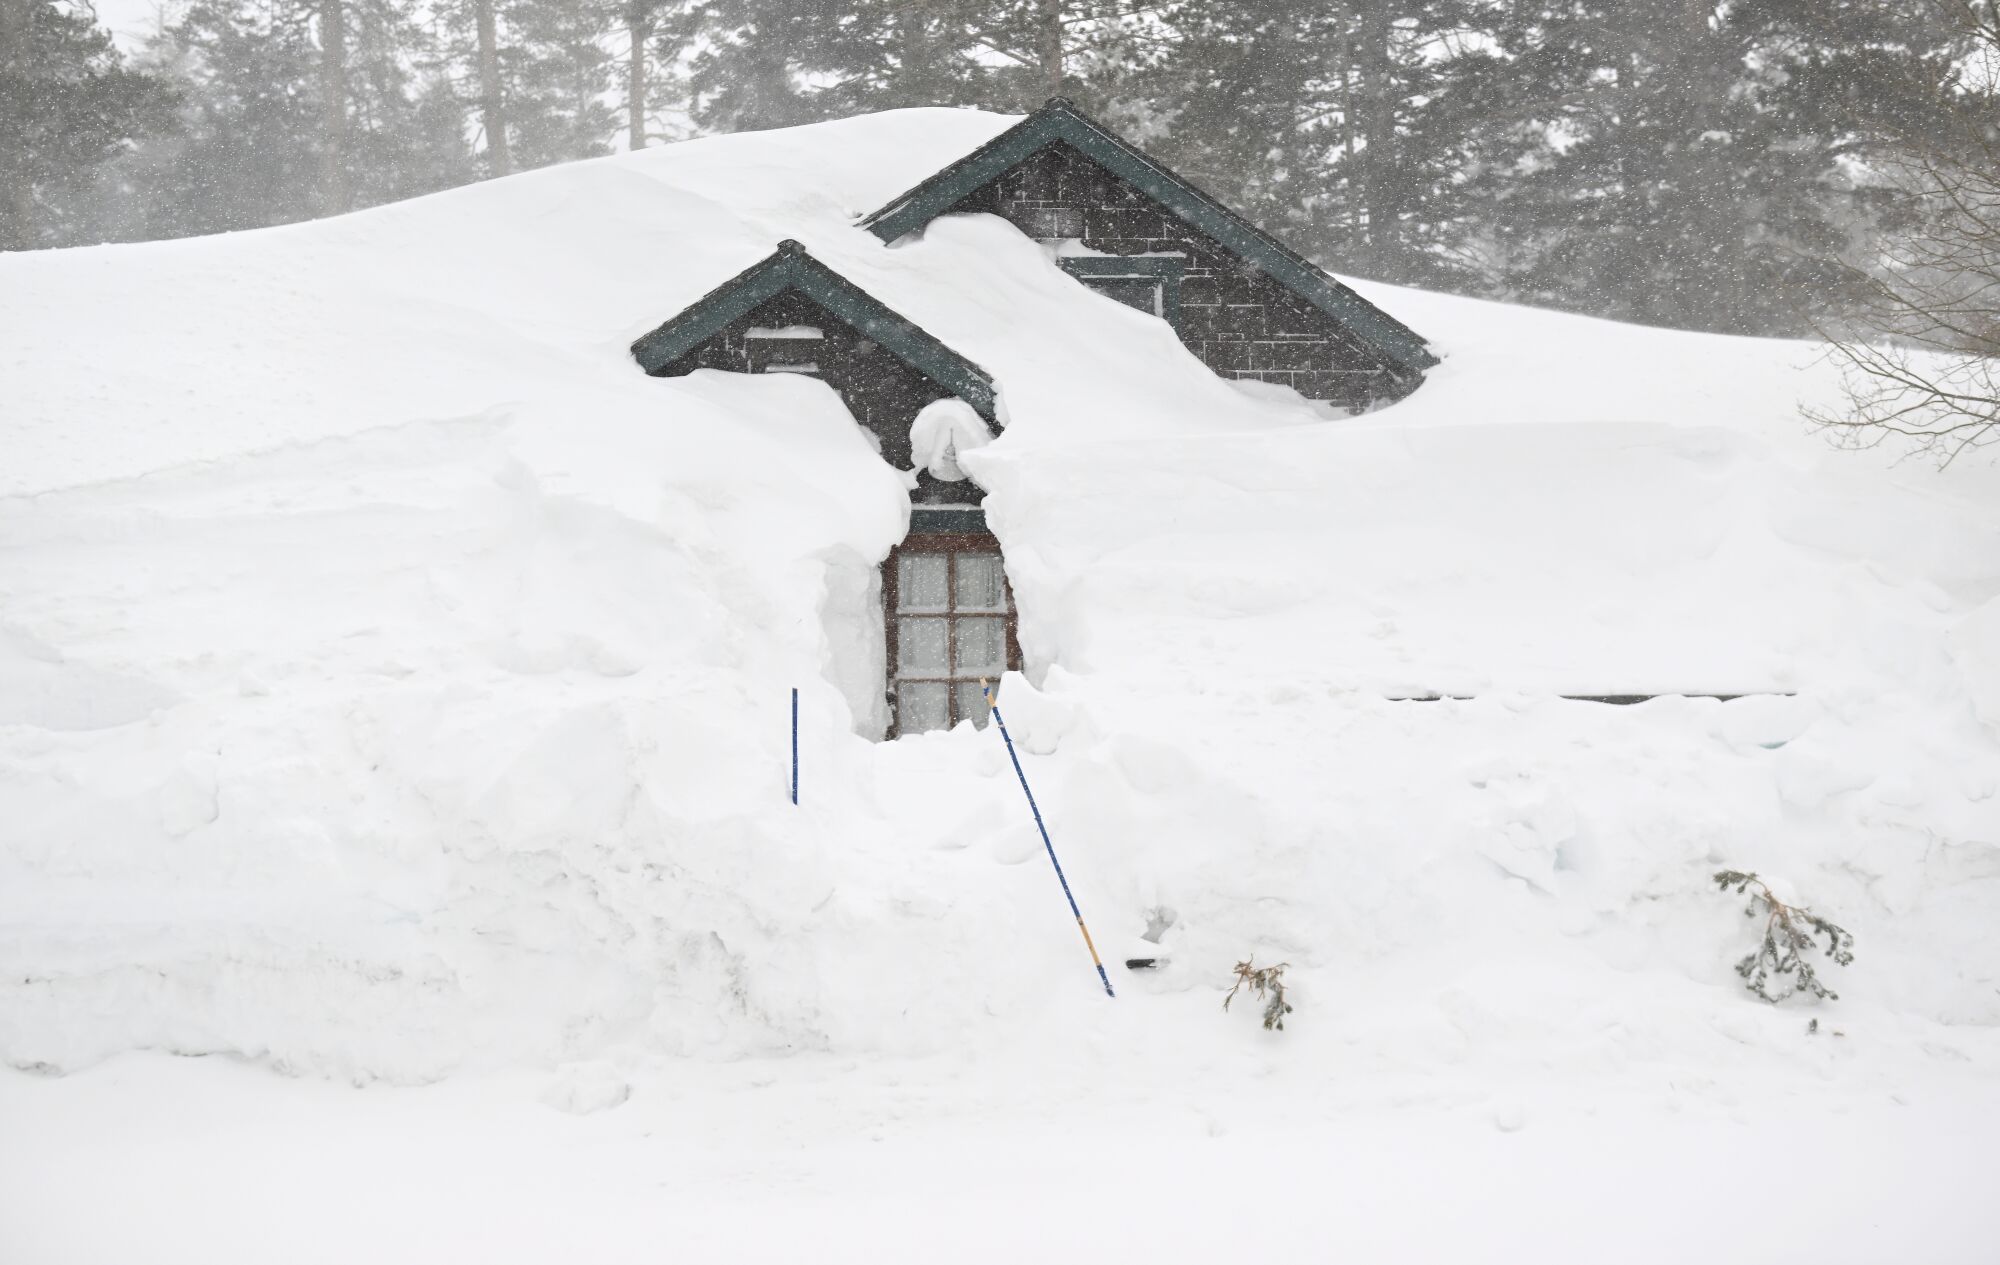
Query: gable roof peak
[[791, 267], [1060, 121]]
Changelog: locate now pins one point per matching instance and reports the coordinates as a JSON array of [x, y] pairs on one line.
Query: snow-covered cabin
[[1118, 222], [394, 685]]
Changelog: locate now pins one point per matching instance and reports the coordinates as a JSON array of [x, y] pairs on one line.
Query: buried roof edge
[[1060, 120], [791, 267]]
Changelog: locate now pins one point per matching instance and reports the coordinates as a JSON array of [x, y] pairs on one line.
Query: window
[[950, 622], [786, 349], [1150, 283]]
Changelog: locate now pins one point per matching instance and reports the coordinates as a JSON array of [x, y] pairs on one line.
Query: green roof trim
[[946, 518], [1060, 120], [791, 268]]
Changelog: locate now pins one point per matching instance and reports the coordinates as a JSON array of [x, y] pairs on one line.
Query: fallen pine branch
[[1782, 962], [1268, 984]]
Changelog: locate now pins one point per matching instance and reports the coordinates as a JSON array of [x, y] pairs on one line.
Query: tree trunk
[[17, 188], [639, 26], [13, 31], [493, 116], [1051, 38], [1354, 180], [913, 56], [1378, 133], [334, 196]]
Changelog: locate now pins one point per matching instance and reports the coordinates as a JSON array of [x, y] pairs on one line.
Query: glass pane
[[982, 647], [972, 702], [920, 648], [920, 706], [920, 582], [981, 583]]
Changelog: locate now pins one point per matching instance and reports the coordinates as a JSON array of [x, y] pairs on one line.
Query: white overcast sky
[[130, 20]]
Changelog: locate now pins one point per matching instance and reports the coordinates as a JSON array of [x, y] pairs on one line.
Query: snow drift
[[393, 679]]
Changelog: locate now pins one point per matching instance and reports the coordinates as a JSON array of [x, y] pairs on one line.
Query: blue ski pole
[[795, 744], [1067, 894]]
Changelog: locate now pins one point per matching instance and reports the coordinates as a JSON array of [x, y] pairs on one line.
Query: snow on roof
[[393, 676], [449, 305]]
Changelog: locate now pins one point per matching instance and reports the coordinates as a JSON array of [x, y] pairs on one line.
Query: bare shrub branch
[[1920, 358]]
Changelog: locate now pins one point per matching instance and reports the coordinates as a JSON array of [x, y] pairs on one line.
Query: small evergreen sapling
[[1268, 983], [1791, 932]]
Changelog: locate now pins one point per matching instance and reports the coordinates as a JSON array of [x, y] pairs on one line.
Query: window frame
[[1165, 271], [950, 544], [766, 354]]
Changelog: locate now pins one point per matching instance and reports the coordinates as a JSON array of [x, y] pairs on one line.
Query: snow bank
[[393, 679]]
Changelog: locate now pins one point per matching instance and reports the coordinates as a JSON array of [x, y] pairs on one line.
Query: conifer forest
[[1725, 165]]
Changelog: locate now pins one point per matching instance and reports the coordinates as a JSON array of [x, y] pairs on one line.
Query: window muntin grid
[[951, 624]]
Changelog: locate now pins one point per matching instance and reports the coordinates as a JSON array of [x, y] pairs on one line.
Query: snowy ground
[[392, 713], [1067, 1153], [1075, 1153]]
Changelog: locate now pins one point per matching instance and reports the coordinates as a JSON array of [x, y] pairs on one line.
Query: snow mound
[[395, 680]]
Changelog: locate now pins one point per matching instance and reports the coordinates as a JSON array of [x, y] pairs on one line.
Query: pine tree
[[1346, 129], [545, 75], [1683, 162], [770, 63], [559, 75], [68, 103], [250, 150], [405, 124], [260, 143]]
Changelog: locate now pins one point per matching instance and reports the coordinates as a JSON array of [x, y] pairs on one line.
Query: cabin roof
[[790, 267], [1061, 121]]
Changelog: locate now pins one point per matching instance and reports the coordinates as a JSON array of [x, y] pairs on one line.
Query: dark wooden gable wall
[[884, 393], [1232, 315]]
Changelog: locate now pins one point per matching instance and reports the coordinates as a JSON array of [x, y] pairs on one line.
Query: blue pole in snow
[[1070, 896], [795, 744]]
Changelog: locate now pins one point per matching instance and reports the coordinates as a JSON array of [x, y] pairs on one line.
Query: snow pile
[[941, 431], [394, 680]]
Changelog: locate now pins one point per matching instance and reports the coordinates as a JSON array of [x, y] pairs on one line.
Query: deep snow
[[393, 686]]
